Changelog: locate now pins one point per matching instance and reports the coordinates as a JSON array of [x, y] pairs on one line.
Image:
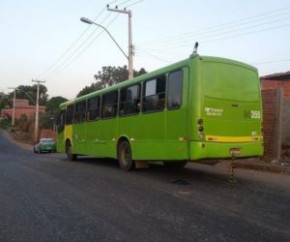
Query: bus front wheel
[[125, 156], [69, 154]]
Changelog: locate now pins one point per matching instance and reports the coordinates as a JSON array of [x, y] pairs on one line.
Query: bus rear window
[[230, 82]]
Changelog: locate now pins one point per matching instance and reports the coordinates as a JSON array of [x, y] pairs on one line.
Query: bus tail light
[[200, 121], [200, 128]]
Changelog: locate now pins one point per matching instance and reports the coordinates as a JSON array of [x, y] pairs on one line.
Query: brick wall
[[272, 84], [286, 123], [272, 122], [47, 133], [22, 107], [276, 116]]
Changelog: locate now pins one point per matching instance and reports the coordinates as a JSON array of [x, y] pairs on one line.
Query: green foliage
[[111, 75], [29, 93], [92, 88], [5, 122], [5, 101], [53, 103], [46, 120], [108, 76]]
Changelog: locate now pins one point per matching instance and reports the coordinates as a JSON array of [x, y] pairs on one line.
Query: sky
[[46, 41]]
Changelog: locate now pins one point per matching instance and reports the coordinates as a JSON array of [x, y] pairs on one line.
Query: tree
[[108, 76], [53, 104], [5, 101], [29, 92], [92, 88], [46, 119]]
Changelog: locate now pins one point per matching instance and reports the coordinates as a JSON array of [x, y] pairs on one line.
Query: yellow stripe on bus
[[232, 138], [68, 132]]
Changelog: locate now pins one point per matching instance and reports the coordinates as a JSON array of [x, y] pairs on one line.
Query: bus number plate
[[235, 151]]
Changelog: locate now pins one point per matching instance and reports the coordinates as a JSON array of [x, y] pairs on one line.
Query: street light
[[128, 57]]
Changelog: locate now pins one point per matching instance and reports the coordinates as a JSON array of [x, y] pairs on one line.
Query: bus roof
[[171, 67]]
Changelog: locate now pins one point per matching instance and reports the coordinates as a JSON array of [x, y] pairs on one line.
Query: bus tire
[[69, 154], [125, 156]]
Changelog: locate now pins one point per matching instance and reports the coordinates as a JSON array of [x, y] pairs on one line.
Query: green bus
[[196, 109]]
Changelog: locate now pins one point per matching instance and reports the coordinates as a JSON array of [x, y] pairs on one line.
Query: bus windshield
[[230, 82]]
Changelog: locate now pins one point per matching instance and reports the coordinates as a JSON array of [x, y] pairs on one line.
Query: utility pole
[[130, 45], [37, 110], [14, 103]]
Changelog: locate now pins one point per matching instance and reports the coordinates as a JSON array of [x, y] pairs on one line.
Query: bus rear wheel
[[69, 154], [125, 156]]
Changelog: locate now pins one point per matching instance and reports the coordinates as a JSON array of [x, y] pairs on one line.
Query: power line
[[230, 30], [80, 50], [74, 51], [134, 3], [216, 28], [59, 60], [272, 61], [51, 67], [273, 20]]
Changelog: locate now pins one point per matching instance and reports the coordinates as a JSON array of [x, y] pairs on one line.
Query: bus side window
[[109, 104], [93, 108], [80, 112], [174, 90], [154, 94], [69, 114], [129, 100], [60, 121]]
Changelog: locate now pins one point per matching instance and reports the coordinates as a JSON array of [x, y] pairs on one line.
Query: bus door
[[176, 115], [151, 124]]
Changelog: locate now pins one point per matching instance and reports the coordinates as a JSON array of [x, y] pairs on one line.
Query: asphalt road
[[46, 198]]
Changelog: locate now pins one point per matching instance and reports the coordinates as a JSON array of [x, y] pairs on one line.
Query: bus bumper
[[204, 150]]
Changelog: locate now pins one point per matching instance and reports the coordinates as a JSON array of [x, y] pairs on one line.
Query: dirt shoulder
[[16, 139]]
